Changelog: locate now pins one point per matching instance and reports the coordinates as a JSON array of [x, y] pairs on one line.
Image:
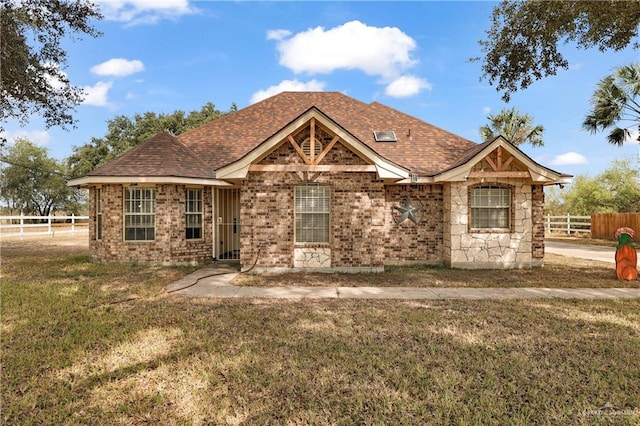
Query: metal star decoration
[[408, 211]]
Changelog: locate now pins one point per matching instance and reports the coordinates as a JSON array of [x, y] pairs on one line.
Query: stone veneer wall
[[471, 250], [537, 216], [170, 245]]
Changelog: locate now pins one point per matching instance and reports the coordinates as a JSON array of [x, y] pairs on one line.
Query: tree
[[522, 44], [518, 128], [615, 190], [614, 101], [124, 133], [33, 182], [32, 61]]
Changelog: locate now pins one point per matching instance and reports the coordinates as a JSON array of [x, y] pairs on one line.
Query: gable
[[499, 163], [325, 148], [499, 158], [318, 144]]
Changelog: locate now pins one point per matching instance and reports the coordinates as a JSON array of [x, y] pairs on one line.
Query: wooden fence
[[568, 224], [604, 225], [11, 226]]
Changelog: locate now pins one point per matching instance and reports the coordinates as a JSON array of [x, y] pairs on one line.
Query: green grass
[[72, 356]]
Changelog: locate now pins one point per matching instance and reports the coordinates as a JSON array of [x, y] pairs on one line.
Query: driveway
[[603, 254]]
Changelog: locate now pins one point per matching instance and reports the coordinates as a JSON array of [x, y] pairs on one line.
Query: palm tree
[[518, 128], [614, 102]]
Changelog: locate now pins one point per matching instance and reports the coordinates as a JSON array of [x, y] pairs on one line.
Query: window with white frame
[[139, 214], [98, 205], [490, 207], [312, 203], [193, 214]]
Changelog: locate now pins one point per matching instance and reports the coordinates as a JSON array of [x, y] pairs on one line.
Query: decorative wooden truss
[[500, 164]]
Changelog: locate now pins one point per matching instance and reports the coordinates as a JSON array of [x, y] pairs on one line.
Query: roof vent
[[385, 136]]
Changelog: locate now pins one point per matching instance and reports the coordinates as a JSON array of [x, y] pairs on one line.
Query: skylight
[[385, 136]]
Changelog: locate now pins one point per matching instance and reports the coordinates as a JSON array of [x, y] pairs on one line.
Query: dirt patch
[[40, 244]]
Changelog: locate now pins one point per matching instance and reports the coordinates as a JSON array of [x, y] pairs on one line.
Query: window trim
[[138, 214], [188, 213], [298, 213], [510, 206]]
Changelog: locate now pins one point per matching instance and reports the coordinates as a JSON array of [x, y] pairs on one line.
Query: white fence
[[12, 226], [568, 224]]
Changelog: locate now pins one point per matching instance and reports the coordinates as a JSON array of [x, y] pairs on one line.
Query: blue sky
[[413, 56]]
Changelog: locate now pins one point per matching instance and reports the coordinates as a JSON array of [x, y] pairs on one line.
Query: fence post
[[21, 225], [73, 223], [548, 224], [49, 224], [568, 224]]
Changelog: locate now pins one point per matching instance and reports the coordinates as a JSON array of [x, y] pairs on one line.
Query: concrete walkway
[[215, 281]]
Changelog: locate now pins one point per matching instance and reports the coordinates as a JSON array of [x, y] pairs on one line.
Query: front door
[[227, 217]]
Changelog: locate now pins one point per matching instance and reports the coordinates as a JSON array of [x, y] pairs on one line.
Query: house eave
[[86, 181], [536, 172]]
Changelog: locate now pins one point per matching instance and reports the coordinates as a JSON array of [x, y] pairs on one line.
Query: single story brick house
[[320, 181]]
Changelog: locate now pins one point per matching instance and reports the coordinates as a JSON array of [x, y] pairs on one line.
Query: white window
[[490, 207], [98, 202], [193, 212], [312, 213], [139, 214]]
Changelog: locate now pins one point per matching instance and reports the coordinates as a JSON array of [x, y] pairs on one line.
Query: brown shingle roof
[[161, 155], [421, 147]]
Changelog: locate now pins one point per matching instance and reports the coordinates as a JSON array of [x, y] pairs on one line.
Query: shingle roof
[[421, 148], [161, 155]]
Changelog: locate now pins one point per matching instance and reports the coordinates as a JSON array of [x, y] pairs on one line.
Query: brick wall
[[409, 242], [363, 231], [170, 244]]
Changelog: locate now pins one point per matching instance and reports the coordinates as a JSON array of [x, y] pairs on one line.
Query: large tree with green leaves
[[615, 190], [34, 183], [124, 133], [616, 103], [32, 59], [517, 127], [522, 45]]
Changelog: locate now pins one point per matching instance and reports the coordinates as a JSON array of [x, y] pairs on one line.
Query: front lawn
[[559, 272], [101, 344]]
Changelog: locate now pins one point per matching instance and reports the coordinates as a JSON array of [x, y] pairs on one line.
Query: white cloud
[[96, 95], [568, 158], [377, 51], [486, 110], [135, 12], [288, 86], [118, 67], [406, 85], [277, 34], [131, 96], [38, 137]]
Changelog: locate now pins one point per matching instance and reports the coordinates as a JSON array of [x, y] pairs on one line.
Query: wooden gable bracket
[[312, 163], [312, 151], [499, 168]]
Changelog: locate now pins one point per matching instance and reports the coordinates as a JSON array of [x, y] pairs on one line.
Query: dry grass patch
[[73, 358], [559, 272]]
